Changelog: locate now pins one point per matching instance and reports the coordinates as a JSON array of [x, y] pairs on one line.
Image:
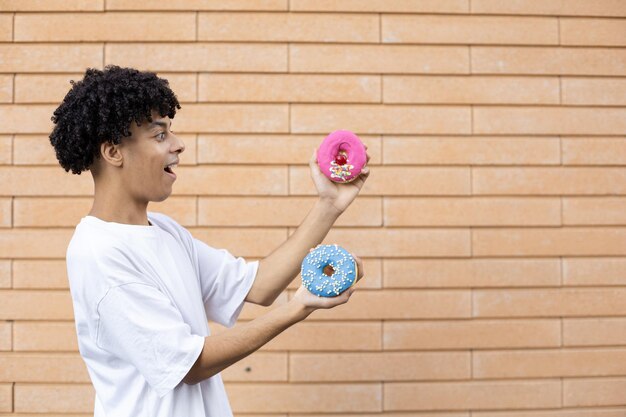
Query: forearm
[[223, 349], [278, 269]]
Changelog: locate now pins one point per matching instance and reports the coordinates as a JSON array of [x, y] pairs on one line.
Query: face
[[150, 148]]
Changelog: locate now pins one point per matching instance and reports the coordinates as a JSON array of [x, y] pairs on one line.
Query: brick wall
[[492, 225]]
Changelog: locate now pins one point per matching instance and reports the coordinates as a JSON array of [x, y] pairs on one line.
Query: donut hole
[[329, 270]]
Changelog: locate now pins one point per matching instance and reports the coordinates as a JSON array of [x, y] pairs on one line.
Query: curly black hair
[[101, 107]]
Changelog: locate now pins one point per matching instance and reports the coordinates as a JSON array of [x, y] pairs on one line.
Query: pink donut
[[341, 156]]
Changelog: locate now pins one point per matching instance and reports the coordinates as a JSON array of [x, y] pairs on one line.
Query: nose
[[179, 144]]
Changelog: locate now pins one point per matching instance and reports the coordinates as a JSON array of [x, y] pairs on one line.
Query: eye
[[161, 135]]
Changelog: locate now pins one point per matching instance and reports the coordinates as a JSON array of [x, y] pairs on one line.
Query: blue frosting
[[317, 282]]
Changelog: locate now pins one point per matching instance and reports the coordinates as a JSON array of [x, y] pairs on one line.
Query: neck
[[111, 205]]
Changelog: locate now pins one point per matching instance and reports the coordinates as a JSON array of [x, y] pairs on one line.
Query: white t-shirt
[[142, 296]]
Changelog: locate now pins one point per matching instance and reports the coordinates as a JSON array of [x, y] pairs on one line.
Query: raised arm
[[279, 268]]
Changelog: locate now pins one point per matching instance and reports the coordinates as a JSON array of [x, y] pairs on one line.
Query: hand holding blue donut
[[329, 270]]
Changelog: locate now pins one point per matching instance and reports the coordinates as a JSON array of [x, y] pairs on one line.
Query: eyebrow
[[156, 123]]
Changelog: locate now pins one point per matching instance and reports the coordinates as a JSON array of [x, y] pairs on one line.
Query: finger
[[313, 159], [359, 265]]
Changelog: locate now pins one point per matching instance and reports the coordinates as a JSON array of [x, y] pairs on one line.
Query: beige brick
[[471, 334], [43, 88], [35, 181], [6, 87], [34, 367], [22, 118], [44, 58], [48, 336], [593, 91], [6, 27], [475, 211], [40, 274], [564, 302], [197, 5], [35, 243], [594, 211], [597, 32], [549, 120], [384, 414], [235, 118], [548, 363], [355, 397], [465, 273], [594, 331], [394, 6], [376, 119], [34, 150], [60, 398], [193, 57], [472, 395], [594, 271], [581, 392], [248, 242], [473, 89], [260, 366], [331, 336], [181, 209], [50, 212], [470, 29], [6, 335], [388, 181], [52, 88], [540, 7], [50, 5], [383, 366], [277, 149], [6, 218], [110, 26], [547, 60], [5, 273], [596, 151], [185, 85], [6, 149], [288, 27], [408, 59], [579, 241], [474, 150], [379, 242], [294, 88], [548, 181], [46, 415], [401, 304], [6, 397], [231, 180], [581, 412], [35, 305], [280, 211]]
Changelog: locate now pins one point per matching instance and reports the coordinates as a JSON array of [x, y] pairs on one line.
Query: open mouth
[[168, 171]]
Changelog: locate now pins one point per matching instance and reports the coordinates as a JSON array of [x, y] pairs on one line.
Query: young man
[[142, 286]]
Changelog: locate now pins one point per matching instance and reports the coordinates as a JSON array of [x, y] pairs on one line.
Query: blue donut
[[343, 275]]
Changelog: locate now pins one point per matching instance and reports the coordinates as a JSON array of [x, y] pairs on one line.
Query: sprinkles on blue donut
[[328, 270]]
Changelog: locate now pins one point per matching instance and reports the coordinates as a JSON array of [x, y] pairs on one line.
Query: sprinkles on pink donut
[[341, 156]]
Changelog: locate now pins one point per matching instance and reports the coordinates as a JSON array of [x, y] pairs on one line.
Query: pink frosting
[[350, 146]]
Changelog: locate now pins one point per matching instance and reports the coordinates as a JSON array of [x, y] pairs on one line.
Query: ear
[[111, 154]]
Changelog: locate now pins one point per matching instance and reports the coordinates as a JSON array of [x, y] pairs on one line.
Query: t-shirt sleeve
[[225, 281], [139, 324]]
